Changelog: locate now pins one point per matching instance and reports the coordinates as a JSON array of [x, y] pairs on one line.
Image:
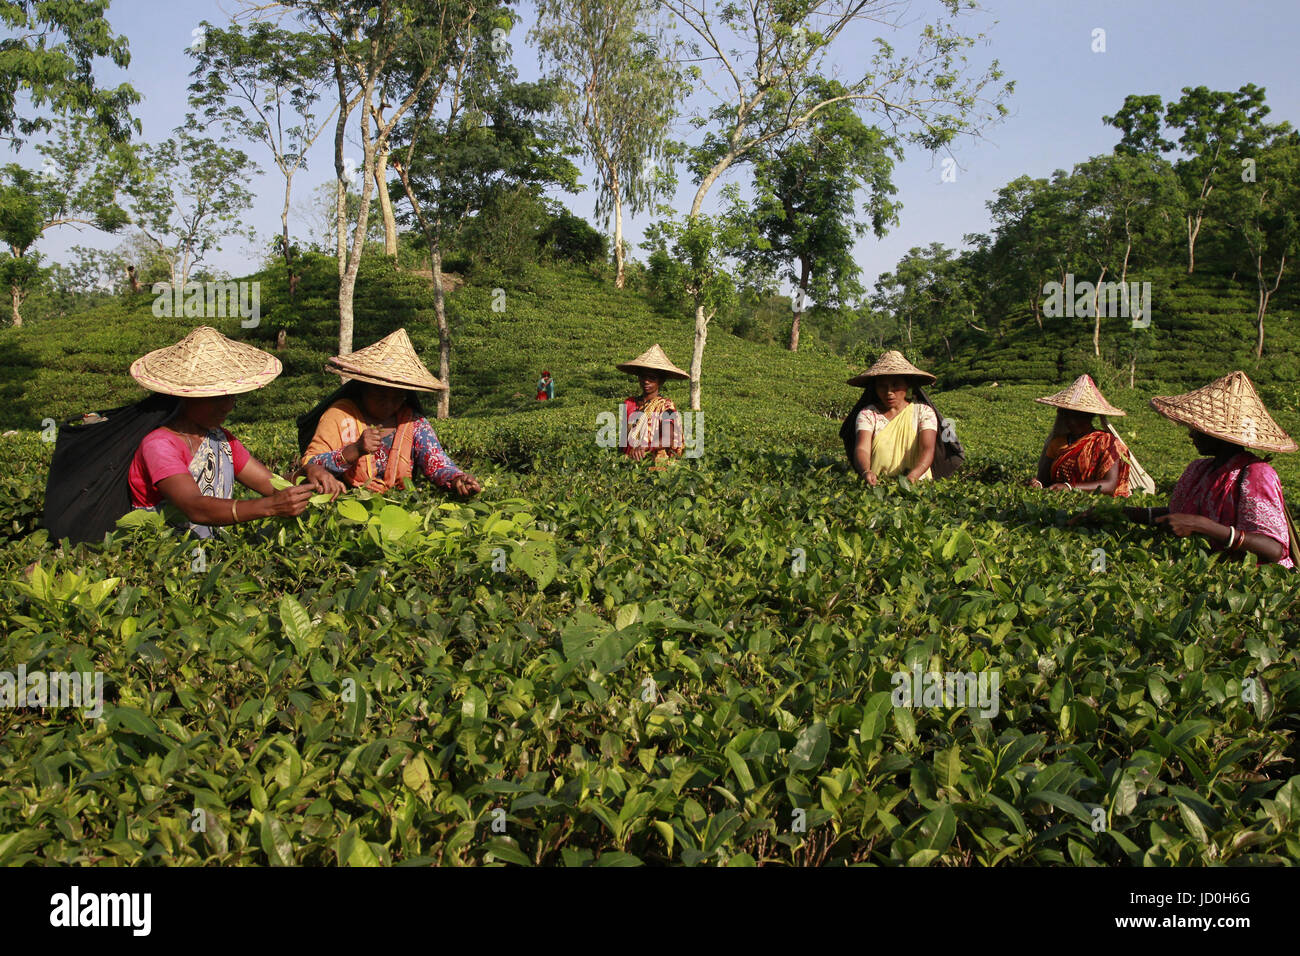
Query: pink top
[[162, 454], [1213, 493]]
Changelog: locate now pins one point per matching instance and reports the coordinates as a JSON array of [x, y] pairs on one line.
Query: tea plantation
[[594, 663]]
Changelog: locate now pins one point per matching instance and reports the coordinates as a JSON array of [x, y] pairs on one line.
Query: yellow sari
[[896, 447]]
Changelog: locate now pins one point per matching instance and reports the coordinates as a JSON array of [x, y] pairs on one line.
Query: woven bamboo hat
[[1228, 408], [892, 363], [391, 361], [1082, 396], [205, 364], [655, 360]]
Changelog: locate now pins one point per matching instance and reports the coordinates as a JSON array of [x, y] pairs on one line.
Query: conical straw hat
[[391, 361], [1230, 409], [655, 360], [204, 364], [892, 363], [1082, 396]]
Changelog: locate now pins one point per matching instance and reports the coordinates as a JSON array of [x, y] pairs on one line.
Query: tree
[[193, 194], [391, 50], [1025, 232], [803, 216], [1140, 120], [1265, 212], [931, 288], [1219, 129], [82, 175], [475, 136], [1120, 197], [618, 96], [47, 56], [264, 83], [767, 54]]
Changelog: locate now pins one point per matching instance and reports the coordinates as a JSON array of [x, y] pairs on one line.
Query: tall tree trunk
[[1265, 294], [17, 296], [701, 319], [348, 283], [444, 333], [284, 233], [1096, 315], [386, 205], [433, 238], [798, 312], [697, 355], [341, 194], [1193, 230], [341, 226], [618, 234]]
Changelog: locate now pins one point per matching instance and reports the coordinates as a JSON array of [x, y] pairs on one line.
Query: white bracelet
[[1069, 487]]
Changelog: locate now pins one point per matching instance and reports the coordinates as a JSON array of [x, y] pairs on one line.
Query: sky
[[1063, 88]]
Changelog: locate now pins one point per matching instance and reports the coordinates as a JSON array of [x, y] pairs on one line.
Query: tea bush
[[595, 663]]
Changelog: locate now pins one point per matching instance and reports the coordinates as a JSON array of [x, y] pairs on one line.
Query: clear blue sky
[[1063, 89]]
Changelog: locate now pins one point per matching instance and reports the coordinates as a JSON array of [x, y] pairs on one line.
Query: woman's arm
[[1106, 485], [1144, 515], [1044, 470], [926, 457], [182, 491], [1262, 546], [863, 454]]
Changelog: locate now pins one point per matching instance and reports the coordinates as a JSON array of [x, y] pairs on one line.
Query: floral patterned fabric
[[1213, 493], [425, 456], [1089, 459]]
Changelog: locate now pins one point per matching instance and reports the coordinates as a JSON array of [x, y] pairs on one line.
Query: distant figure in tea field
[[191, 461], [654, 426], [1078, 456], [1232, 497], [894, 436], [545, 387], [372, 432]]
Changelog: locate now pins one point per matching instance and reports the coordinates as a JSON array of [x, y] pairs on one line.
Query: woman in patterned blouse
[[373, 434]]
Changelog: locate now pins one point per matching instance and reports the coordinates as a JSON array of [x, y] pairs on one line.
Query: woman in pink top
[[192, 462], [1232, 498]]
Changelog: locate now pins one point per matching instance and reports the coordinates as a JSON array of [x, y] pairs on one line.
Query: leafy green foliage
[[633, 668]]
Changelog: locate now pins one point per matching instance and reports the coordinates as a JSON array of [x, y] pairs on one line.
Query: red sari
[[1089, 459]]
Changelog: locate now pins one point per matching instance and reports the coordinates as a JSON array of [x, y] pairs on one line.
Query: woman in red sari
[[654, 427], [1078, 456], [1232, 497]]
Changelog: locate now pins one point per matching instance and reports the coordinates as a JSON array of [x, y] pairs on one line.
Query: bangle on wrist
[[1068, 486], [234, 515], [1232, 539]]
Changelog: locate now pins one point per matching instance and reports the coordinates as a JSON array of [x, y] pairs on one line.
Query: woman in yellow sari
[[894, 436]]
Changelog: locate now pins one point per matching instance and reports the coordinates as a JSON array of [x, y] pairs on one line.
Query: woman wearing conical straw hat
[[191, 461], [1078, 456], [894, 436], [372, 432], [653, 424], [1232, 497]]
